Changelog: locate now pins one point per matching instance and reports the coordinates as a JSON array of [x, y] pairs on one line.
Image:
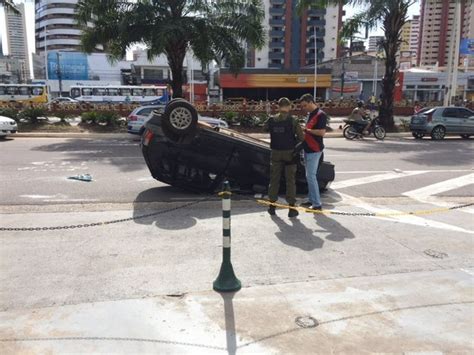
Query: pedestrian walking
[[285, 133], [313, 146]]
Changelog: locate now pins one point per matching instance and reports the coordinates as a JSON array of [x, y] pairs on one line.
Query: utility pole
[[315, 63], [58, 72], [343, 74]]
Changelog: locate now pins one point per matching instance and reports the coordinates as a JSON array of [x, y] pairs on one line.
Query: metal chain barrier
[[368, 214], [104, 223]]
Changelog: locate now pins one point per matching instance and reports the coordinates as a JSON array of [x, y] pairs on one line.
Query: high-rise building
[[17, 44], [374, 43], [55, 26], [291, 43], [409, 46], [437, 29]]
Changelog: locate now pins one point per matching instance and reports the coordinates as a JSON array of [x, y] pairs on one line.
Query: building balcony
[[279, 44], [276, 22], [276, 55], [275, 65], [274, 33], [317, 23], [319, 34], [317, 12], [277, 11]]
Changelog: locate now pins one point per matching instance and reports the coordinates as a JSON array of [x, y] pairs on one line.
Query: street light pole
[[343, 74], [376, 74], [315, 63]]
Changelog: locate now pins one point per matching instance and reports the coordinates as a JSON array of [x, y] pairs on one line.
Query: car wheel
[[349, 132], [417, 135], [465, 136], [180, 117], [379, 133], [438, 133]]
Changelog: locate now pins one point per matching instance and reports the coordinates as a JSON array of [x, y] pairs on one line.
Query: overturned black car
[[182, 152]]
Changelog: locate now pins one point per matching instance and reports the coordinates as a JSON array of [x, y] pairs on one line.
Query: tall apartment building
[[17, 44], [55, 26], [437, 29], [373, 43], [410, 34], [291, 43]]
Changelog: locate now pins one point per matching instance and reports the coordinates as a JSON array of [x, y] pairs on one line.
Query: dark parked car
[[195, 156], [440, 121]]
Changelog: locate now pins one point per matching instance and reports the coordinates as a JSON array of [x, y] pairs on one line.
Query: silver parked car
[[141, 115], [440, 121]]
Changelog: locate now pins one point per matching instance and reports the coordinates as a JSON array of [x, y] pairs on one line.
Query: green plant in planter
[[9, 112], [63, 115], [89, 117], [32, 114], [230, 117], [247, 120], [107, 118]]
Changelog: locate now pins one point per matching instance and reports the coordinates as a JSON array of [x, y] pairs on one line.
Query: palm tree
[[391, 15], [213, 30]]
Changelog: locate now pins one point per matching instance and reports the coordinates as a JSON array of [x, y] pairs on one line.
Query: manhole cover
[[306, 322], [435, 254]]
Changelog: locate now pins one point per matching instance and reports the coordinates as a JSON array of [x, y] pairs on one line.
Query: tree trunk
[[392, 24], [175, 56]]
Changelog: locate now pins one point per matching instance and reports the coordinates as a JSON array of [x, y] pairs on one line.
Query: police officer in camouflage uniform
[[285, 133]]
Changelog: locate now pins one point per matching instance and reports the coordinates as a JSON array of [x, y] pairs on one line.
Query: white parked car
[[7, 126], [137, 119], [62, 101]]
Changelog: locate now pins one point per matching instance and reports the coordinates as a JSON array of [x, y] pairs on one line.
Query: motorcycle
[[354, 129]]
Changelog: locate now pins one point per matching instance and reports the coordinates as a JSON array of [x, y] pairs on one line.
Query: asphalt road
[[35, 171]]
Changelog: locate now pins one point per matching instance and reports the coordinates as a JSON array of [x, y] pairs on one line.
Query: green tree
[[213, 30], [391, 15]]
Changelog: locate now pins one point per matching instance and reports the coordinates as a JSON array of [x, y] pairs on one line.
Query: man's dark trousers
[[282, 160]]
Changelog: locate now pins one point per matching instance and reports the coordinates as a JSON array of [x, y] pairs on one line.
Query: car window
[[450, 112], [145, 111], [464, 113]]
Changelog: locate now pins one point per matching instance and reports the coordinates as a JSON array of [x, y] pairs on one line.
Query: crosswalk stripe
[[374, 178], [407, 219], [426, 193]]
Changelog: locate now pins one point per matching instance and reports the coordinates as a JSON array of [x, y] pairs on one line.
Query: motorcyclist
[[358, 115]]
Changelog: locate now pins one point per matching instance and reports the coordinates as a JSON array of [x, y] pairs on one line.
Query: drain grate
[[306, 322]]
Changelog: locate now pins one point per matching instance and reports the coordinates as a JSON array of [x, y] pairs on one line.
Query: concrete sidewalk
[[423, 312]]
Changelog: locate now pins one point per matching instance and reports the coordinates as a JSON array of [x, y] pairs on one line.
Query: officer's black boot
[[292, 212]]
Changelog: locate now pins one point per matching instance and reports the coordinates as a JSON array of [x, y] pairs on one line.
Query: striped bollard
[[226, 281]]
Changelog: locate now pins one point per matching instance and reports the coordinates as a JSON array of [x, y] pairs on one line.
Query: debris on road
[[82, 177]]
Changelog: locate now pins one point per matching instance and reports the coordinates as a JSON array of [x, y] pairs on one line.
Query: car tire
[[349, 132], [438, 133], [465, 136], [180, 117], [417, 135]]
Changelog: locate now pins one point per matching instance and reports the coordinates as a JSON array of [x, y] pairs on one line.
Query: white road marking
[[373, 178], [407, 171], [407, 219], [426, 194]]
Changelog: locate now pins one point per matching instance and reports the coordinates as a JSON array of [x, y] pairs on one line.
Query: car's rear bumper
[[420, 128]]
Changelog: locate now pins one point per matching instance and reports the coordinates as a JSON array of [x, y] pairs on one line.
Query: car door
[[467, 121], [451, 120]]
